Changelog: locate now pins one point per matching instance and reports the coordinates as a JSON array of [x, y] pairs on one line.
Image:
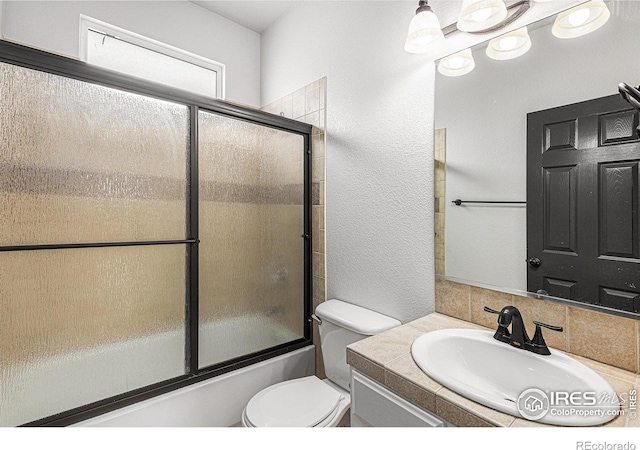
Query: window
[[117, 49]]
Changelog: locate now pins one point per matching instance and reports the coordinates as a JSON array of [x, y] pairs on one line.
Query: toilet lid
[[303, 402]]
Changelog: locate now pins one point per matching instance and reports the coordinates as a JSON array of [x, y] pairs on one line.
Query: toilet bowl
[[303, 402], [310, 401]]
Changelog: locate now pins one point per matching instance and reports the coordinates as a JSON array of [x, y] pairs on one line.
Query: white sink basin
[[495, 374]]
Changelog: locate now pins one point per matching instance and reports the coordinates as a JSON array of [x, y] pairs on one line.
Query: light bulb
[[578, 18], [481, 15], [581, 20], [508, 43], [457, 64]]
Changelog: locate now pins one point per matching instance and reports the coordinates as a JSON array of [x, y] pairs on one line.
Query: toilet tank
[[344, 324]]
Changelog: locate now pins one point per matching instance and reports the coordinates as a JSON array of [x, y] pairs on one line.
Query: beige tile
[[410, 391], [388, 346], [313, 119], [318, 145], [298, 104], [616, 372], [439, 189], [362, 364], [458, 416], [439, 221], [315, 193], [322, 85], [485, 297], [452, 299], [287, 106], [487, 414], [603, 337], [545, 312], [318, 289], [318, 169], [528, 423], [316, 300], [440, 267], [317, 213], [440, 172], [438, 321], [318, 264], [313, 85], [322, 191], [440, 248], [312, 99], [318, 241], [406, 368]]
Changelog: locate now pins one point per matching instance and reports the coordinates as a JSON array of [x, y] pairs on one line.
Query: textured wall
[[54, 26], [379, 213], [485, 120]]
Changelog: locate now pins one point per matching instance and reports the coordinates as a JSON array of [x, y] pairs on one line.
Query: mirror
[[481, 145]]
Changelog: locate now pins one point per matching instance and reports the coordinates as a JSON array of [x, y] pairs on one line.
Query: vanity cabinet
[[373, 405]]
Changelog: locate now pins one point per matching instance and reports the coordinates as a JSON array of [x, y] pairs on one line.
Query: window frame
[[19, 55], [89, 23]]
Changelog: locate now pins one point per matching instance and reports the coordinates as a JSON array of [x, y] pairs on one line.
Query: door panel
[[583, 165]]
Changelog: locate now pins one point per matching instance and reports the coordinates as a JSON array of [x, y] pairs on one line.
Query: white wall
[[484, 113], [54, 26], [379, 191]]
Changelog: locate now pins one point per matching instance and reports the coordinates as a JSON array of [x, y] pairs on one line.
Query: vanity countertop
[[386, 358]]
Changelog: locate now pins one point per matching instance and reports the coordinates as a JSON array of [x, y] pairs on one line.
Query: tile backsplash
[[610, 339]]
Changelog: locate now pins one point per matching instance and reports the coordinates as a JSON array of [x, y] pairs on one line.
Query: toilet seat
[[303, 402]]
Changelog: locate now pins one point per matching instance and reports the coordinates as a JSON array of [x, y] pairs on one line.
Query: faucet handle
[[537, 344], [545, 325], [489, 310]]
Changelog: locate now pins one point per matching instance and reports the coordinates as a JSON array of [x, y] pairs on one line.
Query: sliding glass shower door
[[149, 238], [251, 237]]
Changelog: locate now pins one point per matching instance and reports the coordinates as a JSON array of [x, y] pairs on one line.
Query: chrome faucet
[[518, 337]]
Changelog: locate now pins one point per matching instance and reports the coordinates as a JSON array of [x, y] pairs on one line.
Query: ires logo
[[573, 398]]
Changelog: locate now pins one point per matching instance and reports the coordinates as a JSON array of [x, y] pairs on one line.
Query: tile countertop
[[387, 358]]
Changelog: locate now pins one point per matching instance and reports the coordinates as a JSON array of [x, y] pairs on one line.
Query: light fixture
[[424, 30], [457, 64], [581, 20], [510, 45], [479, 15]]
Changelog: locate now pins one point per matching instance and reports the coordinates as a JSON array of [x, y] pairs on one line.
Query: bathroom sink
[[554, 389]]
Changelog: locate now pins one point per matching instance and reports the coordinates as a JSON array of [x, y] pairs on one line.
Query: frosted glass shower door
[[251, 226], [84, 164]]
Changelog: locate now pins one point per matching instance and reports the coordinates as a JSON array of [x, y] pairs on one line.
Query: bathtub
[[44, 387]]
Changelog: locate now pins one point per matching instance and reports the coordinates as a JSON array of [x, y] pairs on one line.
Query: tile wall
[[610, 339]]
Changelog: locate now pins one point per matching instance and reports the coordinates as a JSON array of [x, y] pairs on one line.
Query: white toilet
[[310, 401]]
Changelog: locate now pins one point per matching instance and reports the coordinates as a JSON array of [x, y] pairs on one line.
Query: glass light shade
[[510, 45], [424, 31], [457, 64], [479, 15], [581, 20]]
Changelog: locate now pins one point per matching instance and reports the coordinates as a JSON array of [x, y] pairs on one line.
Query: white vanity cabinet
[[373, 405]]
